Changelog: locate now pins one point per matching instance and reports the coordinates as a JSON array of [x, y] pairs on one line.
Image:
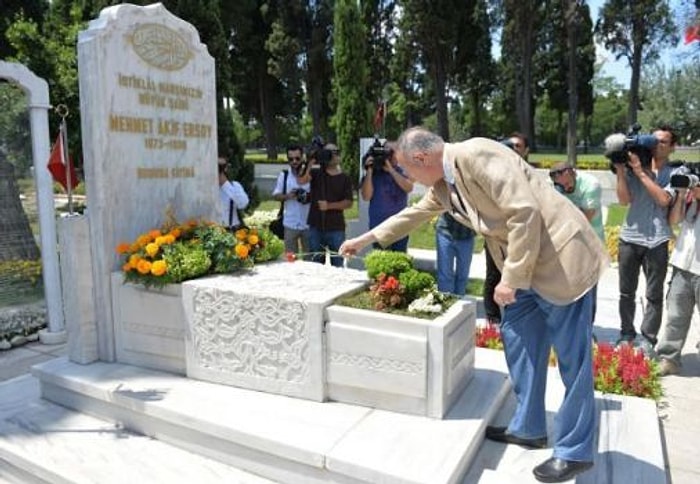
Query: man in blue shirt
[[386, 187]]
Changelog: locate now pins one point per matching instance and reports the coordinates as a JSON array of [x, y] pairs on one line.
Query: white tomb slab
[[263, 329]]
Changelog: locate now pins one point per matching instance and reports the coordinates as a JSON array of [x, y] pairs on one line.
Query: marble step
[[280, 438], [55, 445], [629, 444]]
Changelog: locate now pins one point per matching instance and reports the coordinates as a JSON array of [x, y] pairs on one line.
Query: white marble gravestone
[[148, 107]]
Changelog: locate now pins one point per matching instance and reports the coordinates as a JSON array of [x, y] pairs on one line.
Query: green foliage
[[21, 272], [387, 262], [185, 261], [350, 77], [415, 282]]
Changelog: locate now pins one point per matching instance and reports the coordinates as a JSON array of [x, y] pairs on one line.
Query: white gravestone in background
[[148, 108]]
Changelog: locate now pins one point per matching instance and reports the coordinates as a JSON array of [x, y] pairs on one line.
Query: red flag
[[57, 166], [692, 34], [379, 117]]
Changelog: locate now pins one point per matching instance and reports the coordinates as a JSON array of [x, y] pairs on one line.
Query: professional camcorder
[[317, 152], [618, 146], [687, 175], [378, 153]]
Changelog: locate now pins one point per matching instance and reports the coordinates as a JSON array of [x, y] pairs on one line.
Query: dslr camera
[[302, 196], [687, 175], [378, 153], [618, 146]]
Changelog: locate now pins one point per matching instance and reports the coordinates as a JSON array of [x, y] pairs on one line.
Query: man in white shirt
[[296, 197], [233, 198], [682, 297]]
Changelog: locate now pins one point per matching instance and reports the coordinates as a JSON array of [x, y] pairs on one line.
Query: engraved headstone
[[148, 109]]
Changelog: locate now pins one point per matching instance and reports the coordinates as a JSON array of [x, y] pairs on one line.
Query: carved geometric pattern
[[372, 363], [160, 47], [256, 336]]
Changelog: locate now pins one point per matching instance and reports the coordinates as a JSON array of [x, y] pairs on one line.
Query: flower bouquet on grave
[[178, 252]]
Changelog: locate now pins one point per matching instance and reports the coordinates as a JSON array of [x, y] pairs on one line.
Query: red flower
[[290, 256]]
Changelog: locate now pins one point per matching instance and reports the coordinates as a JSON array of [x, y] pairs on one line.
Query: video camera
[[618, 146], [379, 152], [686, 176], [318, 152]]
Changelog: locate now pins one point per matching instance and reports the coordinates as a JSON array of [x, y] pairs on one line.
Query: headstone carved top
[[148, 113]]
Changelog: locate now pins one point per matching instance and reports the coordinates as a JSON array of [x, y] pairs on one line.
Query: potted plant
[[382, 354]]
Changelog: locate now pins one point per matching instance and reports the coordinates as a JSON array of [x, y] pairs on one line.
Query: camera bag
[[276, 226]]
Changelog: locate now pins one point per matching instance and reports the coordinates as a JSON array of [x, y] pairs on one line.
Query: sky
[[619, 69]]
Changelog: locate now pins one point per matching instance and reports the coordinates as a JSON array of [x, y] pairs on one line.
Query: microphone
[[615, 143]]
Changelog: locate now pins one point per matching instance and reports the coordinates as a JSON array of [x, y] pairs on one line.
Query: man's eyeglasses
[[294, 158]]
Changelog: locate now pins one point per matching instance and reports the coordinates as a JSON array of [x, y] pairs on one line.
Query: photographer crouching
[[385, 186]]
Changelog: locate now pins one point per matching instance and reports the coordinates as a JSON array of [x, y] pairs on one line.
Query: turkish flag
[[692, 34], [57, 166]]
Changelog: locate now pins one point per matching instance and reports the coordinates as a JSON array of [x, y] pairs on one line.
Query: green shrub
[[415, 282], [388, 262]]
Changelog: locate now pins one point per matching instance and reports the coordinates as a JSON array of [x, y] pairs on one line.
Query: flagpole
[[62, 111]]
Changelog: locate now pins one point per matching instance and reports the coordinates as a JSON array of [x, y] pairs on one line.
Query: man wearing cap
[[549, 257]]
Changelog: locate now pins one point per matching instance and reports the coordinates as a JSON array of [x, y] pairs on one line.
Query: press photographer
[[385, 186], [643, 174], [292, 190], [233, 198]]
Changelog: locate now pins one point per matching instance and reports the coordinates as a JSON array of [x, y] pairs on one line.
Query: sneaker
[[667, 367]]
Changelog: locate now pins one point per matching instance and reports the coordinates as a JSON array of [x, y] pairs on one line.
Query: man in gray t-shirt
[[644, 236]]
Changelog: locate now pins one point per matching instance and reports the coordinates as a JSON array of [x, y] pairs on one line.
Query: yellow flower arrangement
[[178, 252]]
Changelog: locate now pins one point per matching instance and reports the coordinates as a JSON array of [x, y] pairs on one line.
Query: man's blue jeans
[[319, 241], [454, 258], [530, 327]]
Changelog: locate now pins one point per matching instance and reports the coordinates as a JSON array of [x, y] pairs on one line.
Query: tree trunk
[[441, 100], [634, 85], [571, 26], [268, 120], [16, 238]]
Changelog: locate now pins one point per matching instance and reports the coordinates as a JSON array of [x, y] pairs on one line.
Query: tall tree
[[636, 30], [434, 26], [28, 9], [522, 21], [351, 117]]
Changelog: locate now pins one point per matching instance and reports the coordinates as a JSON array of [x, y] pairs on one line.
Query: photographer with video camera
[[643, 173], [233, 198], [385, 186], [294, 194], [331, 195], [683, 294]]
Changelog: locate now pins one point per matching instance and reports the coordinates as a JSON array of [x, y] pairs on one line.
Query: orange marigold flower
[[242, 250], [134, 260], [126, 267], [159, 267], [168, 239], [154, 233], [176, 232], [241, 234], [253, 239], [134, 247], [143, 239], [144, 267], [123, 248], [152, 249], [160, 240]]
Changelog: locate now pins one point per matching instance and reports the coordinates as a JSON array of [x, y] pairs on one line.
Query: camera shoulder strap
[[280, 213]]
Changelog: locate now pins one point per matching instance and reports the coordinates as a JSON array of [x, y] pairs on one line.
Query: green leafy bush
[[415, 283], [387, 262]]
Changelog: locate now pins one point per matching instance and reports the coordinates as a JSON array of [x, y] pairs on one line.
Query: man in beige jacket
[[549, 257]]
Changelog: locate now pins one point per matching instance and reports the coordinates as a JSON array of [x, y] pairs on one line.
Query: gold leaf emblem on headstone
[[160, 47]]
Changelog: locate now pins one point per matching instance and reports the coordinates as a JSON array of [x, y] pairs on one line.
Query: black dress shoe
[[499, 434], [560, 470]]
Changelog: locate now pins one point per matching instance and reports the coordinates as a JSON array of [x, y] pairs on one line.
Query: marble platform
[[284, 439]]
